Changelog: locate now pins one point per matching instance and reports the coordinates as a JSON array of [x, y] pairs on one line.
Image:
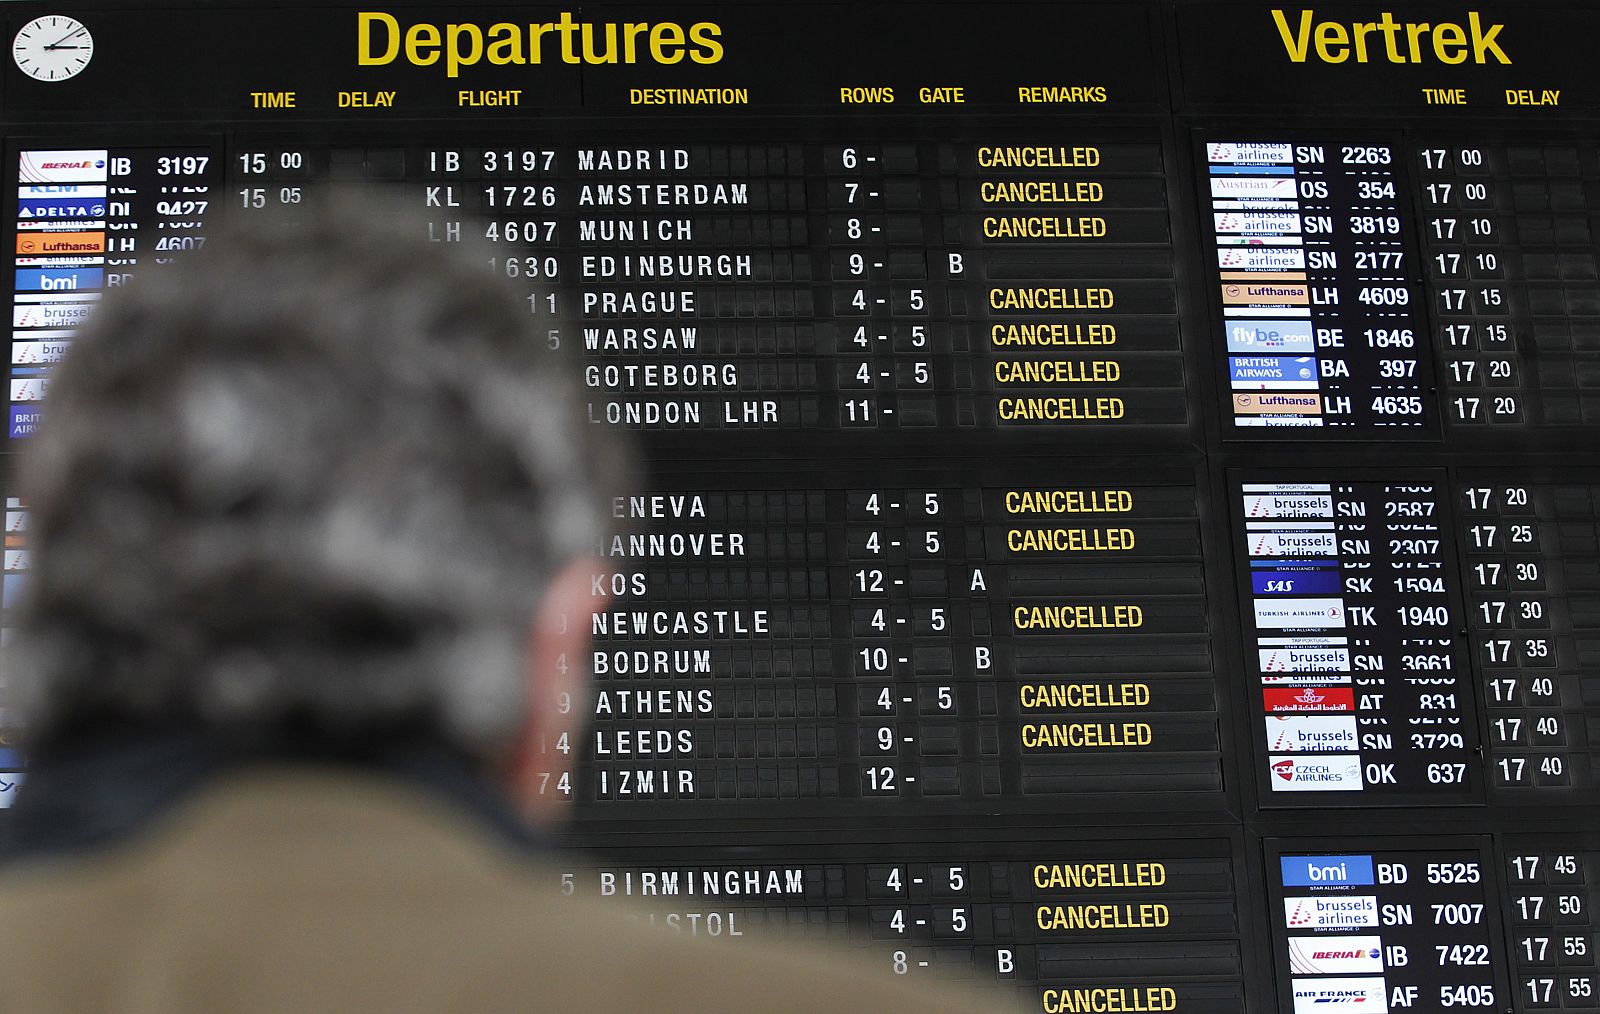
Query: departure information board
[[1124, 516]]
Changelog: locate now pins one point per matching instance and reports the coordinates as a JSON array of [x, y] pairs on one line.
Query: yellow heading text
[[381, 40]]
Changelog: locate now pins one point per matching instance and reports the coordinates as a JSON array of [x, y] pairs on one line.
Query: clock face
[[53, 47]]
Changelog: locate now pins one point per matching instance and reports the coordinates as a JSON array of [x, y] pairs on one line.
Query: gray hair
[[313, 478]]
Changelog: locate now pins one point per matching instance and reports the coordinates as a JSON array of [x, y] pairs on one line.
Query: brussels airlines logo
[[1249, 151], [1288, 501], [1316, 734], [1287, 543], [1258, 258], [1331, 911]]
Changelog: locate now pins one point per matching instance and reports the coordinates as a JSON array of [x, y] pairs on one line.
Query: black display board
[[1125, 477]]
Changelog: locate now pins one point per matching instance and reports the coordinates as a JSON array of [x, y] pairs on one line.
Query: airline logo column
[[16, 569], [86, 220], [60, 265], [1380, 932], [1323, 328], [1348, 598], [1272, 369]]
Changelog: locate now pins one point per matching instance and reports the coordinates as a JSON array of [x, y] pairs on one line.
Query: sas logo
[[1341, 955]]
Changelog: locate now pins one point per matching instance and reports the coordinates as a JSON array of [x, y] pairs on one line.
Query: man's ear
[[558, 696]]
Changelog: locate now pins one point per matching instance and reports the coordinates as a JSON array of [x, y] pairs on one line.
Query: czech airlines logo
[[1333, 773]]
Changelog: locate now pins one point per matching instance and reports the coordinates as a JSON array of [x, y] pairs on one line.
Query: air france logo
[[1365, 995]]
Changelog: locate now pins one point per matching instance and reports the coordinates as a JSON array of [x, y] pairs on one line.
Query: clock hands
[[58, 43]]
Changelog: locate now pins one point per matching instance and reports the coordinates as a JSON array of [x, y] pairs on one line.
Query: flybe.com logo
[[1388, 40]]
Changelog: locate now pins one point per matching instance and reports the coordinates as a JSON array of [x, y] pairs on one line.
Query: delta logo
[[1291, 699]]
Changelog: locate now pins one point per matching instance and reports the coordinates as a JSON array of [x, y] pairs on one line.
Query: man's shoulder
[[312, 880]]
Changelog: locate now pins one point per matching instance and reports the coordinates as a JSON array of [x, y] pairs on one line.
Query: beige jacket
[[308, 891]]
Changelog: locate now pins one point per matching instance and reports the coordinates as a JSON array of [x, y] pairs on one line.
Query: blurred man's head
[[316, 484]]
